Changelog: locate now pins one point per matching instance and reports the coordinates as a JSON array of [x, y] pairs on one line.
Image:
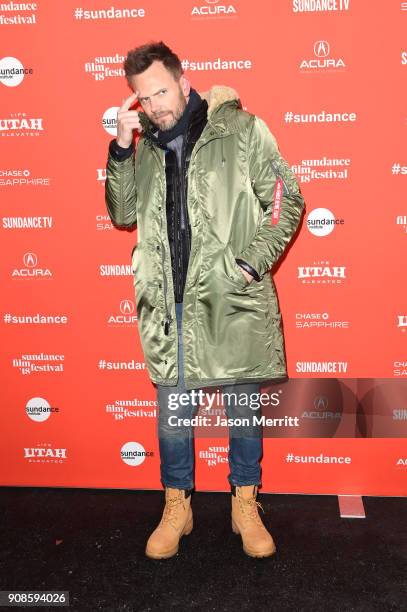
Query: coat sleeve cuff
[[248, 269], [120, 153]]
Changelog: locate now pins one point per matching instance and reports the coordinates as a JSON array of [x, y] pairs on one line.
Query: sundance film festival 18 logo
[[325, 168], [48, 363], [18, 13], [214, 455], [105, 67]]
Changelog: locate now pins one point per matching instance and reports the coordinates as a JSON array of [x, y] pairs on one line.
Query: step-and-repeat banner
[[329, 78]]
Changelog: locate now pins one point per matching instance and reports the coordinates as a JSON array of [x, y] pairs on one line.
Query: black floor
[[323, 562]]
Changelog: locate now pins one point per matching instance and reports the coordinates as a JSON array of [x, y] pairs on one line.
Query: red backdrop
[[328, 77]]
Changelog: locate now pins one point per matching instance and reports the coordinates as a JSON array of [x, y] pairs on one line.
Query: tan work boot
[[176, 521], [257, 541]]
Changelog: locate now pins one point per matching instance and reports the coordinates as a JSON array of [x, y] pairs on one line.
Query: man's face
[[162, 97]]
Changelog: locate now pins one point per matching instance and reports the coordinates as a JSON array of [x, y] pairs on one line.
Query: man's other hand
[[248, 276]]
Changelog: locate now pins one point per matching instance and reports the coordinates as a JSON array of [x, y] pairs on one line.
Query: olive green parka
[[243, 202]]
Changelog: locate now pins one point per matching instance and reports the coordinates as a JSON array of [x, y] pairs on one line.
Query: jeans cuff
[[177, 485], [244, 483]]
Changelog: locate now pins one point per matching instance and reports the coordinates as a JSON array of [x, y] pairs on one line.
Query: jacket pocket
[[234, 271]]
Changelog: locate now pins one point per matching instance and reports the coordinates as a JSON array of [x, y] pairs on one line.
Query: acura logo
[[321, 402], [30, 260], [321, 48], [126, 307]]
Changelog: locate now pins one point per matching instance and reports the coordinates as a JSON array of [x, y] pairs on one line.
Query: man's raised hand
[[127, 121]]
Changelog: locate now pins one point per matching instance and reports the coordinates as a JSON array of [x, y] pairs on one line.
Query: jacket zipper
[[296, 196], [278, 174], [168, 318]]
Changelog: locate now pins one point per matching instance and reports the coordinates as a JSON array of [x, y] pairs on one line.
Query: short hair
[[141, 58]]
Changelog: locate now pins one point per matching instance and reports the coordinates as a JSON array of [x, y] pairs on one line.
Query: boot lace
[[170, 510], [252, 511]]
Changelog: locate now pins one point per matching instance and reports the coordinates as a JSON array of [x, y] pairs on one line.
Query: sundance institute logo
[[134, 454], [12, 72]]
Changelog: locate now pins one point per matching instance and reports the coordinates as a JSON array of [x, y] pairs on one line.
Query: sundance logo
[[31, 269], [126, 318], [322, 60], [322, 273], [213, 9], [38, 409], [12, 72], [320, 6], [27, 222], [332, 367], [321, 222], [134, 454], [115, 270], [109, 120]]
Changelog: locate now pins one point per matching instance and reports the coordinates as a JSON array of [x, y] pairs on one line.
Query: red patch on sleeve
[[278, 194]]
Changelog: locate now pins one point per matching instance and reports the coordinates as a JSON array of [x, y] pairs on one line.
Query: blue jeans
[[177, 442]]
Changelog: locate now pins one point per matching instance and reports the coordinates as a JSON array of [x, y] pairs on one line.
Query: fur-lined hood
[[217, 95]]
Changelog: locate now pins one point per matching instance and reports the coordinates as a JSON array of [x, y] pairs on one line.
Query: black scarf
[[165, 136]]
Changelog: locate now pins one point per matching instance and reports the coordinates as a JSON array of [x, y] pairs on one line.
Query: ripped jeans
[[177, 442]]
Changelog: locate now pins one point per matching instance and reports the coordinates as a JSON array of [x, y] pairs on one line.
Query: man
[[215, 206]]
